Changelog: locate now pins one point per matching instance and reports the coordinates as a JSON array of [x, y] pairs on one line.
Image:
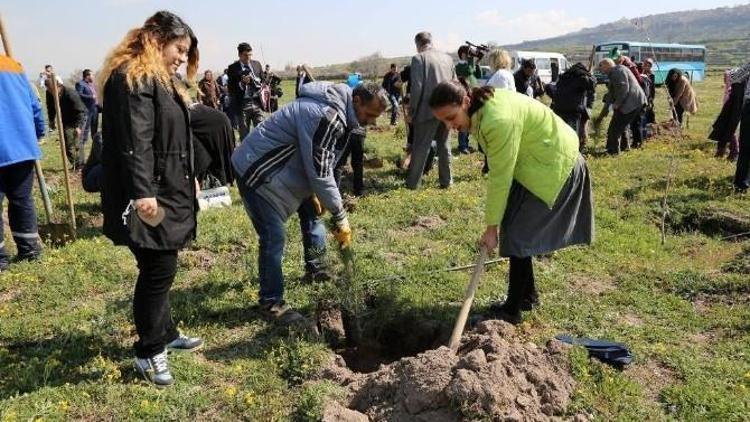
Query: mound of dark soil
[[494, 376]]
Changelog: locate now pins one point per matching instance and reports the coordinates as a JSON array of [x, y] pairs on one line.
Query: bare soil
[[494, 376]]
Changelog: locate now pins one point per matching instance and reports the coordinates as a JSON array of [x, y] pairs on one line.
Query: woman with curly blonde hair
[[149, 190]]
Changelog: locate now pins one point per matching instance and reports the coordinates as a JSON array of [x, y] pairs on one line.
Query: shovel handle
[[43, 189], [61, 135], [463, 315]]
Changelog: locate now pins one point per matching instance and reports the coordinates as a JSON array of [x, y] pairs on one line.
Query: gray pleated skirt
[[530, 228]]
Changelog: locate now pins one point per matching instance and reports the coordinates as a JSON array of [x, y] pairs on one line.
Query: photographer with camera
[[468, 71], [244, 89]]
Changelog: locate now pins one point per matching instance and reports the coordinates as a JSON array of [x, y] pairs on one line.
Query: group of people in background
[[289, 161]]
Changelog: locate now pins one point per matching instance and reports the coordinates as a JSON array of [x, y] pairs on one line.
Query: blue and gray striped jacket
[[292, 154]]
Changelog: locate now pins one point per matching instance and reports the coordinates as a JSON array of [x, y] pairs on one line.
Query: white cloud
[[447, 42], [529, 26]]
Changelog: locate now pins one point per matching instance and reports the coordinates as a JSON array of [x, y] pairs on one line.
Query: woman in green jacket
[[538, 187]]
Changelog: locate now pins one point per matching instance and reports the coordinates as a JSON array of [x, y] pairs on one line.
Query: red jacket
[[633, 68]]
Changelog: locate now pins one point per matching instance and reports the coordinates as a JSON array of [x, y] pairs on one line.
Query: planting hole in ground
[[712, 222], [366, 342]]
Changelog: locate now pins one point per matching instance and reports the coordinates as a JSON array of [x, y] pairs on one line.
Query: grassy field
[[682, 307]]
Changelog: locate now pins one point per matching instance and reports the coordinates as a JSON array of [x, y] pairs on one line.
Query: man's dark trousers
[[617, 127], [16, 182], [355, 148]]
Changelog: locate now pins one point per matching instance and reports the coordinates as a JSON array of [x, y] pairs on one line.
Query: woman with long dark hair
[[538, 187], [682, 94], [149, 191]]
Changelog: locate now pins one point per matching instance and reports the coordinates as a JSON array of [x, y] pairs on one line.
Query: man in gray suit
[[628, 101], [428, 68]]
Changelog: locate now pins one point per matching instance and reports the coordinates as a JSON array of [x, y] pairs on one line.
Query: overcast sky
[[77, 34]]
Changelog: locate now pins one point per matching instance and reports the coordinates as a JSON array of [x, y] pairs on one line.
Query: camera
[[476, 50]]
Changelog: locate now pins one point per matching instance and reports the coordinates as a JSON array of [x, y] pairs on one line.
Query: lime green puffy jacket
[[524, 141]]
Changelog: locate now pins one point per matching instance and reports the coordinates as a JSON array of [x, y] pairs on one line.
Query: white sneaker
[[155, 369]]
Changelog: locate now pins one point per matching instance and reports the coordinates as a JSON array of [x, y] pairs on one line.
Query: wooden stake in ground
[[463, 315], [61, 133]]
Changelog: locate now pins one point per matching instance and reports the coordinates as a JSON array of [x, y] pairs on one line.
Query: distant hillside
[[724, 31]]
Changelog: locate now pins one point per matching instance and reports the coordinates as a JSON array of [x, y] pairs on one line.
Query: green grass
[[66, 330]]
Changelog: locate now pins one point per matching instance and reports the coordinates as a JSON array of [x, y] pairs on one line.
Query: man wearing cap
[[244, 89]]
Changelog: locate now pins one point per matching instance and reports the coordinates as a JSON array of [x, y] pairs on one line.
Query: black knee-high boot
[[520, 286]]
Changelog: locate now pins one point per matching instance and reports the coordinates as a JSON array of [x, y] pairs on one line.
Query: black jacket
[[213, 142], [726, 122], [147, 152], [74, 112], [574, 91], [235, 73], [390, 83], [523, 82]]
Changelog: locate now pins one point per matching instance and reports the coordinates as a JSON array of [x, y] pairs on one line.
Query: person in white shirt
[[500, 62]]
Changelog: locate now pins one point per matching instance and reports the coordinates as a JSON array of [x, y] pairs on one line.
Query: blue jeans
[[463, 141], [90, 127], [271, 230], [16, 181]]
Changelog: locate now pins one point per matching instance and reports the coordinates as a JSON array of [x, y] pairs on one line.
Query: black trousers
[[16, 181], [742, 175], [355, 149], [678, 113], [151, 311], [617, 127], [521, 284]]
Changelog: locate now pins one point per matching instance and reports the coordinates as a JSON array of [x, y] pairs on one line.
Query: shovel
[[463, 315], [57, 233]]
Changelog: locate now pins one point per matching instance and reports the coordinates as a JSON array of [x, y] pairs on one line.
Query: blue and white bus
[[691, 59]]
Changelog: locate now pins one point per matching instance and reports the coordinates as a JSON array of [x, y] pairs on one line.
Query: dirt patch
[[373, 163], [335, 412], [631, 320], [424, 223], [9, 295], [494, 376], [201, 259], [393, 258], [590, 285], [701, 306], [653, 376]]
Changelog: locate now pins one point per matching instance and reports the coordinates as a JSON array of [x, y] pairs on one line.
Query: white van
[[549, 66]]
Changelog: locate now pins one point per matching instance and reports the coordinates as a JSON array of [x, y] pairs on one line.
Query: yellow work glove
[[342, 232], [319, 210]]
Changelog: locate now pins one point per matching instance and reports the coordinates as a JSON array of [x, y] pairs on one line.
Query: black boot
[[519, 275], [531, 296]]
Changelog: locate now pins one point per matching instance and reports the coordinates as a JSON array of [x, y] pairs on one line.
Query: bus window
[[635, 52]]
